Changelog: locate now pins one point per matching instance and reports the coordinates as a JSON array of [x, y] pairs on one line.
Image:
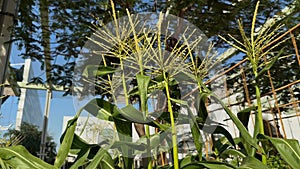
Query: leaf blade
[[288, 149], [19, 157]]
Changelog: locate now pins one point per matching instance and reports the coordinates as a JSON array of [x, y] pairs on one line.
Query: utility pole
[[8, 13]]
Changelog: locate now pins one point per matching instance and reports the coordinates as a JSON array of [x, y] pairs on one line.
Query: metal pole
[[42, 153]]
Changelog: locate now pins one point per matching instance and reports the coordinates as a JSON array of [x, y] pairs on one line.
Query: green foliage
[[251, 162], [30, 137], [195, 129], [208, 164], [275, 161], [244, 132], [72, 22], [19, 157], [228, 153], [67, 140], [288, 149]]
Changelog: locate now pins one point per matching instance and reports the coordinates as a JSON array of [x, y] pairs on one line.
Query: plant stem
[[147, 131], [124, 82], [148, 147], [259, 125], [173, 127], [145, 110], [128, 162]]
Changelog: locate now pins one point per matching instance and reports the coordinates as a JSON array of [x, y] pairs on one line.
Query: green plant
[[255, 49], [7, 141], [275, 161], [29, 136], [145, 52]]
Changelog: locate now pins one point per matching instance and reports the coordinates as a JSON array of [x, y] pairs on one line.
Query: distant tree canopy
[[31, 140], [71, 22]]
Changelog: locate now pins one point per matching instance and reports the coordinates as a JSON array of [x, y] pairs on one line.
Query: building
[[29, 107]]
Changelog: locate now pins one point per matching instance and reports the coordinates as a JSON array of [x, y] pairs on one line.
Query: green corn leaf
[[81, 159], [252, 163], [96, 70], [3, 165], [185, 161], [132, 114], [248, 109], [135, 116], [107, 111], [216, 129], [154, 84], [202, 111], [143, 82], [195, 129], [80, 147], [79, 143], [67, 139], [95, 162], [140, 146], [178, 101], [244, 115], [101, 109], [18, 157], [107, 162], [155, 140], [208, 164], [244, 132], [124, 129], [232, 152], [288, 149]]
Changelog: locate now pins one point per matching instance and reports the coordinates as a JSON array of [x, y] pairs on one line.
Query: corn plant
[[156, 59], [253, 47], [256, 47]]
